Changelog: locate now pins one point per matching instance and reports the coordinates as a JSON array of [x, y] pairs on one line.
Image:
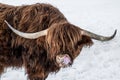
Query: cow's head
[[64, 41]]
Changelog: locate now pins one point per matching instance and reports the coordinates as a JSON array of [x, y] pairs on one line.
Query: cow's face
[[65, 43]]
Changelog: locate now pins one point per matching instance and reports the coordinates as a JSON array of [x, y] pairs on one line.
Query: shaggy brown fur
[[37, 55]]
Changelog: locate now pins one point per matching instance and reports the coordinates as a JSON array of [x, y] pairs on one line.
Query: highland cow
[[39, 38]]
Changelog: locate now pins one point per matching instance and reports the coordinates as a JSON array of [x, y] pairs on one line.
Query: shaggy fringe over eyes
[[62, 37], [38, 55]]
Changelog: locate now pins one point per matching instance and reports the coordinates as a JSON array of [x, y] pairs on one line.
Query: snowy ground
[[99, 62]]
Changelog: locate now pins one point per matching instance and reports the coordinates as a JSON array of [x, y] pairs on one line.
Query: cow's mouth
[[63, 60]]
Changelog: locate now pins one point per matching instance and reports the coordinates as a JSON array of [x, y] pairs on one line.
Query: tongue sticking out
[[66, 60]]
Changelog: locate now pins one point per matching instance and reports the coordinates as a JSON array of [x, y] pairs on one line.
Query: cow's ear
[[85, 41]]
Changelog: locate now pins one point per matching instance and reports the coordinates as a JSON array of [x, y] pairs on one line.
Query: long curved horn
[[28, 35], [99, 37]]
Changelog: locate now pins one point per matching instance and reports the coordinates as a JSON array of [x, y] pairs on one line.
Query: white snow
[[99, 62]]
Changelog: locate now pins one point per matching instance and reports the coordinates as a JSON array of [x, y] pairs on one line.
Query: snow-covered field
[[99, 62]]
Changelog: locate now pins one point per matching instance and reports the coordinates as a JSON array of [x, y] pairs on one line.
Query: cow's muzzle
[[63, 60]]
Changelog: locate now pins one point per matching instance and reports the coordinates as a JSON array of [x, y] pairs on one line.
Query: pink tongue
[[66, 60]]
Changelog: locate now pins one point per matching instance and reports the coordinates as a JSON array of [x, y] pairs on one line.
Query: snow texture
[[99, 62]]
